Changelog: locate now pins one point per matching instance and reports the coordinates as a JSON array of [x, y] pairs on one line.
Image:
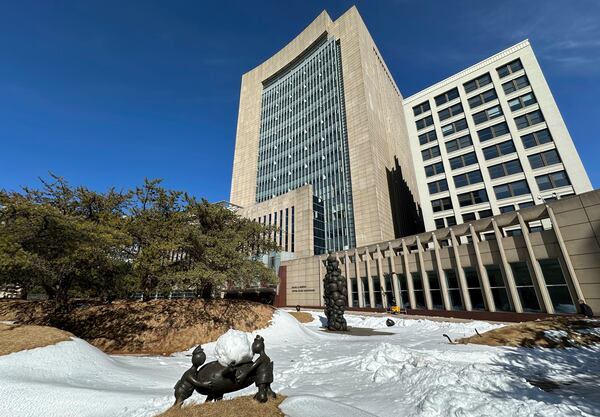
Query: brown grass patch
[[153, 327], [236, 407], [14, 337], [302, 317], [531, 334]]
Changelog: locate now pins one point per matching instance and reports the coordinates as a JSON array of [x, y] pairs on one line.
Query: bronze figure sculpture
[[214, 380], [336, 295], [262, 369]]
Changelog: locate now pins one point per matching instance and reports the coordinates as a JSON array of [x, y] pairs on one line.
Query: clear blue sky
[[109, 92]]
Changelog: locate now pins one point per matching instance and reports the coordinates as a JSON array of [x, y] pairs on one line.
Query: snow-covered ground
[[413, 371]]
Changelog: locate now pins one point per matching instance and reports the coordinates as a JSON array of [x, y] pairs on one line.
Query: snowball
[[234, 346]]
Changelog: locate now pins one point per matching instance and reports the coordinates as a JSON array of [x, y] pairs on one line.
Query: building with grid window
[[467, 199], [491, 140], [319, 145]]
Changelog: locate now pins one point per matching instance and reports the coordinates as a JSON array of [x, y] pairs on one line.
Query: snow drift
[[411, 372]]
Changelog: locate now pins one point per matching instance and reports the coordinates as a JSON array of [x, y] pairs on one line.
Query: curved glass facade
[[303, 140]]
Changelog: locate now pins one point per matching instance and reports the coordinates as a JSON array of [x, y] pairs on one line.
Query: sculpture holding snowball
[[233, 370]]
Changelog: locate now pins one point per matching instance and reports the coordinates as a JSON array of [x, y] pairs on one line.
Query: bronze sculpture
[[214, 380], [184, 388], [262, 369], [336, 295]]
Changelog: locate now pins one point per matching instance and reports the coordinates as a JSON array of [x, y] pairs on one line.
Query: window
[[424, 122], [430, 153], [525, 288], [492, 131], [507, 209], [366, 293], [474, 288], [354, 292], [418, 290], [446, 97], [511, 189], [468, 217], [509, 68], [454, 290], [543, 159], [553, 180], [441, 204], [526, 204], [516, 84], [485, 213], [451, 221], [389, 292], [529, 119], [505, 168], [488, 114], [463, 160], [439, 223], [404, 298], [459, 143], [478, 82], [377, 294], [498, 288], [437, 186], [467, 178], [514, 232], [454, 127], [450, 111], [427, 137], [434, 169], [472, 197], [421, 108], [557, 286], [435, 290], [522, 102], [501, 149], [482, 98], [536, 138]]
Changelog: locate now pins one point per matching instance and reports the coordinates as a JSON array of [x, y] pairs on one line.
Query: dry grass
[[237, 407], [302, 317], [14, 338], [531, 334], [153, 327]]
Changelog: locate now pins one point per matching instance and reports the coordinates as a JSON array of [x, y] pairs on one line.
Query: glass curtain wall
[[303, 140]]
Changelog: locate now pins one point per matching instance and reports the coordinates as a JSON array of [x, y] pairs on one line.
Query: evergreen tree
[[221, 249], [156, 223], [59, 237]]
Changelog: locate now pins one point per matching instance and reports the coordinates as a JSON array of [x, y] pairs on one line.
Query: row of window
[[451, 221], [504, 148], [513, 189], [527, 295], [478, 83], [503, 169]]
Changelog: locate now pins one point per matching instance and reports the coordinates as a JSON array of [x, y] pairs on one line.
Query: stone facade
[[294, 219], [506, 263], [376, 131]]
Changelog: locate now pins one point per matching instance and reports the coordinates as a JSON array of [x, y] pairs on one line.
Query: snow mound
[[313, 406], [286, 330], [233, 347]]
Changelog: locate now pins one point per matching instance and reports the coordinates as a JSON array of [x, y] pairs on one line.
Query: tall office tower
[[322, 149], [491, 140]]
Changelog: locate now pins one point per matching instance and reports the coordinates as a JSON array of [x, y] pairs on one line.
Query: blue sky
[[108, 92]]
